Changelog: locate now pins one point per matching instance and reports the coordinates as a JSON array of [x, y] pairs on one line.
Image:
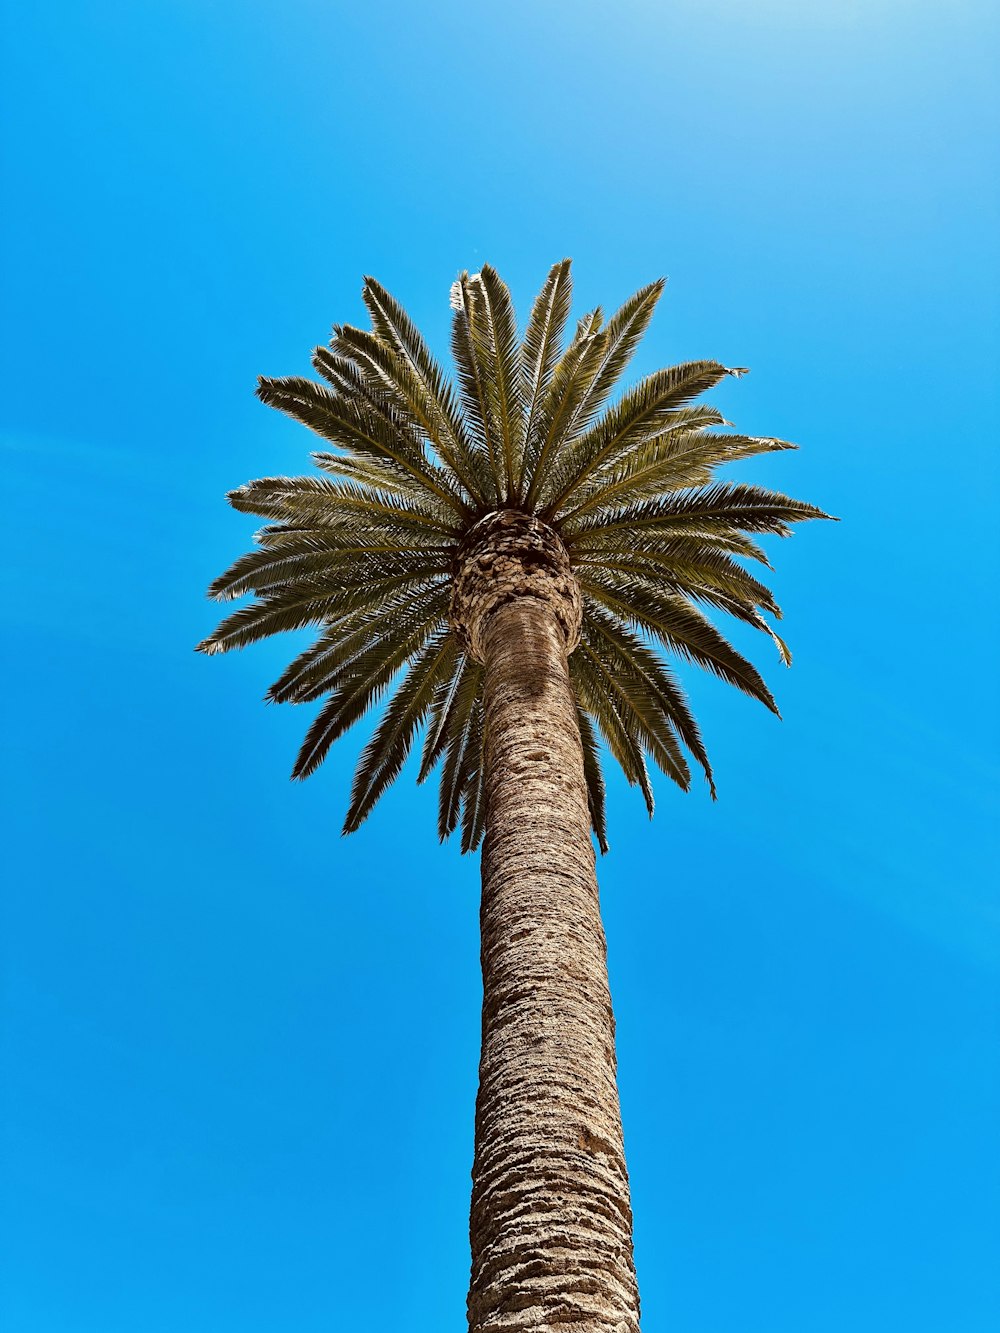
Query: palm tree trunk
[[551, 1225]]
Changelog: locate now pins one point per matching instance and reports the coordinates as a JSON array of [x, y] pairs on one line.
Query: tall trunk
[[551, 1225]]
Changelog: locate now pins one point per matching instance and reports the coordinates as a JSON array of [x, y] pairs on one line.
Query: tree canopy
[[366, 549]]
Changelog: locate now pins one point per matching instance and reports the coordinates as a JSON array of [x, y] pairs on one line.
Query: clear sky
[[239, 1052]]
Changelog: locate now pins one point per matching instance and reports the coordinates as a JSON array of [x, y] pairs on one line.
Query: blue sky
[[239, 1052]]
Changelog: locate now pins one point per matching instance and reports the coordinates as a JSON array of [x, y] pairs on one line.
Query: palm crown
[[371, 549]]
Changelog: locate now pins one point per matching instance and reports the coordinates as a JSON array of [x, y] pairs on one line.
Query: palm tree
[[511, 553]]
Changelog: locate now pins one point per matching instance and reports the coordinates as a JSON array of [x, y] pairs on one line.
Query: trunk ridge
[[551, 1223]]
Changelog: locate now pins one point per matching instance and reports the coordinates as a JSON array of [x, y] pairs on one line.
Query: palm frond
[[724, 505], [714, 580], [654, 407], [360, 640], [354, 692], [393, 325], [594, 778], [380, 475], [659, 546], [597, 693], [493, 329], [542, 345], [474, 390], [461, 744], [271, 615], [621, 337], [683, 629], [384, 755], [322, 503], [412, 400], [450, 711], [352, 424], [307, 557], [637, 656], [558, 410], [685, 565], [474, 788], [680, 456], [638, 700]]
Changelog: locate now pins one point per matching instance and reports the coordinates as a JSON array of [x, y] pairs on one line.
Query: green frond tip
[[631, 477]]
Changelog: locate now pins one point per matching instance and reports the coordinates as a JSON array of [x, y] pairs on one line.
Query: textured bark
[[551, 1225], [506, 557]]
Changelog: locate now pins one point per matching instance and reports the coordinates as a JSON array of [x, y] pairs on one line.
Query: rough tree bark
[[551, 1225]]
